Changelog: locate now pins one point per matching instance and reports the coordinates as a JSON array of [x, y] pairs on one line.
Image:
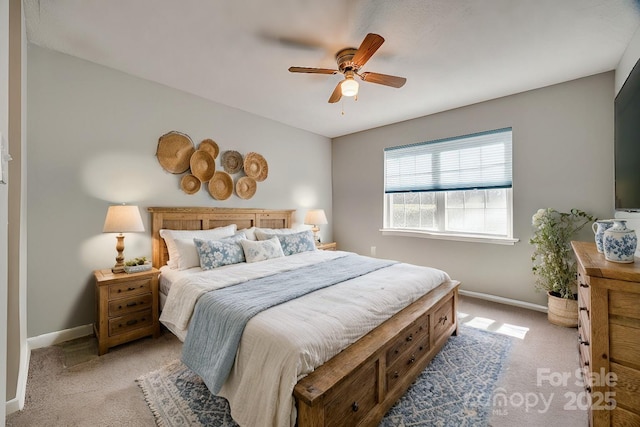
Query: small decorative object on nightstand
[[126, 307], [332, 246]]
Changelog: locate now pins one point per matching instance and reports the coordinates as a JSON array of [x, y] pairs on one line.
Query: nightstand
[[331, 246], [126, 307]]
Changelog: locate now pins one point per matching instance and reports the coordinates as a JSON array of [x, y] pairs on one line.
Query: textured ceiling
[[237, 52]]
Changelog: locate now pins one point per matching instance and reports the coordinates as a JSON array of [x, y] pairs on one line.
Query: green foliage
[[554, 264], [136, 261]]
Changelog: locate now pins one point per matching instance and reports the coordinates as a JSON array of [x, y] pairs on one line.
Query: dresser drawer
[[124, 324], [124, 306], [624, 304], [352, 400], [397, 371], [417, 332], [442, 320], [584, 290], [131, 287]]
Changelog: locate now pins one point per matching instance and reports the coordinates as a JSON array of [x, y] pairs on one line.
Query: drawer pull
[[396, 374], [421, 348], [584, 285], [581, 341], [412, 360], [410, 338], [583, 309], [586, 363], [443, 319], [355, 406], [132, 304], [588, 388], [132, 322]]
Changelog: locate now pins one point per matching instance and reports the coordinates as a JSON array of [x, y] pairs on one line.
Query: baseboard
[[45, 340], [57, 337], [502, 300]]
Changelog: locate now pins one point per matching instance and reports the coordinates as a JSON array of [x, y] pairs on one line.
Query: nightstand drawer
[[124, 306], [124, 324], [131, 287]]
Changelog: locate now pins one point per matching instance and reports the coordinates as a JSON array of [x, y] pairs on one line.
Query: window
[[454, 186]]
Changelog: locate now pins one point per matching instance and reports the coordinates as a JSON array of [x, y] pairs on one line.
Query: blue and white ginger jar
[[619, 242]]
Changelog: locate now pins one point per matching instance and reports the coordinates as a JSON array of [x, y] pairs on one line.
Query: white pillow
[[250, 233], [175, 255], [261, 233], [262, 249]]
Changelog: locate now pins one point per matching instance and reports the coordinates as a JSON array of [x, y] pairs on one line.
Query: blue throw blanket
[[220, 316]]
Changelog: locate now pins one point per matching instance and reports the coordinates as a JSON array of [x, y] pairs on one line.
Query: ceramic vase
[[599, 227], [619, 242]]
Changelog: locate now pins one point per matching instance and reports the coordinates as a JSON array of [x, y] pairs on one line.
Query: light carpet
[[454, 390]]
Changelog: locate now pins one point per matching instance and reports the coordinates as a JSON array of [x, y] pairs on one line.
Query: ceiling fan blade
[[337, 94], [367, 48], [383, 79], [312, 70]]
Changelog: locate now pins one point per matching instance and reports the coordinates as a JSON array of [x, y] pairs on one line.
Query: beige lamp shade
[[123, 219], [315, 217]]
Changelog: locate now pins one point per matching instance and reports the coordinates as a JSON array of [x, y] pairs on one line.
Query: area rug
[[454, 390]]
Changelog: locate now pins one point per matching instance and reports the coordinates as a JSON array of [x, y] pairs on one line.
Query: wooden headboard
[[207, 218]]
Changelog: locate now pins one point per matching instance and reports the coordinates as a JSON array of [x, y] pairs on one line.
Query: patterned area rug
[[454, 390]]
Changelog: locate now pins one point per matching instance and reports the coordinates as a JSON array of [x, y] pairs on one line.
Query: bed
[[300, 362]]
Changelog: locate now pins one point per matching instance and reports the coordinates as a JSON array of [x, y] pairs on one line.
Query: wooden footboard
[[359, 385]]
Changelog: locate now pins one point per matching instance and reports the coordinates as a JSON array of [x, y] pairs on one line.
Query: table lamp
[[122, 219], [314, 218]]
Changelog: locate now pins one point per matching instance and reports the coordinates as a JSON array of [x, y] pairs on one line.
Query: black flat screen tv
[[627, 143]]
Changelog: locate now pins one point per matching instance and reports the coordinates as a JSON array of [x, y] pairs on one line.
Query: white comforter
[[285, 343]]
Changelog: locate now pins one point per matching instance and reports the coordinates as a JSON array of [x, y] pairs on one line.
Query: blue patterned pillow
[[261, 249], [296, 242], [216, 253]]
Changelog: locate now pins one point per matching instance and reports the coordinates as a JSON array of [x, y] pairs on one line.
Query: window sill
[[447, 236]]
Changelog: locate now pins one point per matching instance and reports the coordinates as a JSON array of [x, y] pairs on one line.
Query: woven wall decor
[[174, 151], [177, 154]]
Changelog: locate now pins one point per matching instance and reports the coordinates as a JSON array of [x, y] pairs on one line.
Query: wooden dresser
[[609, 336], [126, 307]]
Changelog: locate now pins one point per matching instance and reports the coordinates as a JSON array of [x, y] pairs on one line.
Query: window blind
[[477, 161]]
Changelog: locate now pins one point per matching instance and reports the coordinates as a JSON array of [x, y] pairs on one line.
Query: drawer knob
[[396, 374], [132, 304], [443, 319], [412, 360], [410, 337], [583, 309], [584, 285], [355, 406]]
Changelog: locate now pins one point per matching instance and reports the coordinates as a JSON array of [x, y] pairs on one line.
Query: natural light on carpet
[[492, 325]]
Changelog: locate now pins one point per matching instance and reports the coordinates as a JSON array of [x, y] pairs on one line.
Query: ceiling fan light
[[349, 87]]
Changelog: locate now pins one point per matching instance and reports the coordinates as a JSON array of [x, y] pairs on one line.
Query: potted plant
[[554, 264]]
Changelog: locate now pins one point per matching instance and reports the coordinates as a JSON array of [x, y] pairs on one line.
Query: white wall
[[562, 158], [92, 138]]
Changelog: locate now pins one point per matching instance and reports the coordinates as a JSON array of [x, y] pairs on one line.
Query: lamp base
[[117, 269]]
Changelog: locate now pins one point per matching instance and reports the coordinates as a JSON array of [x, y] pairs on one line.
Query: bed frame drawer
[[357, 386], [354, 398], [443, 319]]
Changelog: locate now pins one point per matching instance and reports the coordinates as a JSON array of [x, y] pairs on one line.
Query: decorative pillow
[[261, 233], [261, 250], [297, 242], [175, 255], [216, 253]]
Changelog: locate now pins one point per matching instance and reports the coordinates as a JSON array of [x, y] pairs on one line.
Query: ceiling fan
[[350, 61]]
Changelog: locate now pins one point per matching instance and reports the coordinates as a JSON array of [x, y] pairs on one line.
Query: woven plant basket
[[562, 311]]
